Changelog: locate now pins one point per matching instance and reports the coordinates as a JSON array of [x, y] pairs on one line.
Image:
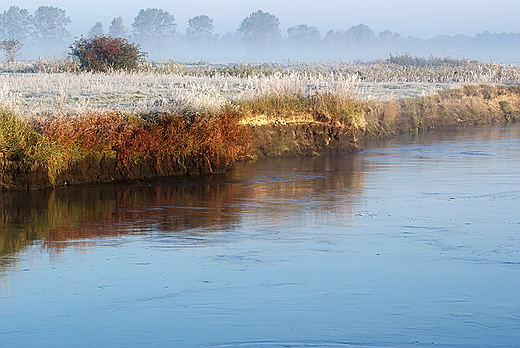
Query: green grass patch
[[510, 113]]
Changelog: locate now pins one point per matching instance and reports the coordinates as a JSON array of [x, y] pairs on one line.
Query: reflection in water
[[415, 243], [276, 190]]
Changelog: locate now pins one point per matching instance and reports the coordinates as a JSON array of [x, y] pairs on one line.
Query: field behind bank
[[56, 87]]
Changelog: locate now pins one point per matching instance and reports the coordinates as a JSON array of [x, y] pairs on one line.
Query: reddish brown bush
[[105, 53]]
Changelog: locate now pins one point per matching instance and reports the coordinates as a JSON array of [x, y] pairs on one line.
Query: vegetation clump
[[17, 138], [408, 60], [57, 144], [105, 53], [510, 113]]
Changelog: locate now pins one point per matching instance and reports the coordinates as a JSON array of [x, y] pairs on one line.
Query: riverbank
[[107, 146], [467, 106]]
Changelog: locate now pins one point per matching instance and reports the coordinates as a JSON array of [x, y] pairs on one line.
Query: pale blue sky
[[421, 18]]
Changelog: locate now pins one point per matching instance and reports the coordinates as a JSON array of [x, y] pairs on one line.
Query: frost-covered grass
[[56, 87], [143, 92]]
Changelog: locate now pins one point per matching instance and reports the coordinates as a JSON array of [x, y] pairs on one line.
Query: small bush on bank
[[105, 53]]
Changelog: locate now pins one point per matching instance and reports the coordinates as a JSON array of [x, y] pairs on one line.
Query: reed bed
[[162, 141]]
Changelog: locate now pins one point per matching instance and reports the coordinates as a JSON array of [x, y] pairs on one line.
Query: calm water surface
[[414, 243]]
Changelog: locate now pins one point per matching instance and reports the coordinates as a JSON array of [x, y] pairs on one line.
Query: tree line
[[156, 31]]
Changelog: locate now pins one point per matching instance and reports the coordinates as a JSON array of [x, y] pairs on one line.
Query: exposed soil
[[18, 175], [303, 139]]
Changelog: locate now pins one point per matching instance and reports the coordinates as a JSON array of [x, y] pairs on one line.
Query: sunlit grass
[[321, 107], [58, 143]]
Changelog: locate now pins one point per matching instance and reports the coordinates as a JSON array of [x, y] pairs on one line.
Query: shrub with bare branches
[[11, 49]]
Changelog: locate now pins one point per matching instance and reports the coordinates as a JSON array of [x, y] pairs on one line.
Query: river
[[413, 242]]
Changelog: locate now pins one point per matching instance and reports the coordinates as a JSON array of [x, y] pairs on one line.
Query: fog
[[417, 23]]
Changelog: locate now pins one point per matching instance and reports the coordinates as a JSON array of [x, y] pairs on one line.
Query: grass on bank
[[21, 141], [204, 140], [466, 106], [324, 107], [58, 143], [218, 139], [210, 139]]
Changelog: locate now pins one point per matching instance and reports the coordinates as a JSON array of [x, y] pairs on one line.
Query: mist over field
[[274, 31]]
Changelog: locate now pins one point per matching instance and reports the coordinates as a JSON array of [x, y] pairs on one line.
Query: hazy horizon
[[431, 18]]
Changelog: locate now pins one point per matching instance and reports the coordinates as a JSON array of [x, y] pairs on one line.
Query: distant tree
[[389, 38], [154, 26], [228, 39], [15, 23], [50, 23], [200, 30], [337, 39], [11, 49], [105, 53], [303, 35], [362, 34], [117, 29], [260, 29], [96, 30]]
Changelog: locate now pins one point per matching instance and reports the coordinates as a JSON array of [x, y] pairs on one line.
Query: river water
[[413, 242]]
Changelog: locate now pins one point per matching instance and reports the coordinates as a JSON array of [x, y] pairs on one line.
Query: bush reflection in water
[[187, 207]]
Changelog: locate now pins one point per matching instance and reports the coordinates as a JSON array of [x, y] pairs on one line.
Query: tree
[[260, 29], [105, 53], [11, 49], [200, 30], [303, 35], [389, 38], [117, 29], [337, 40], [15, 23], [50, 23], [362, 34], [96, 30], [154, 26]]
